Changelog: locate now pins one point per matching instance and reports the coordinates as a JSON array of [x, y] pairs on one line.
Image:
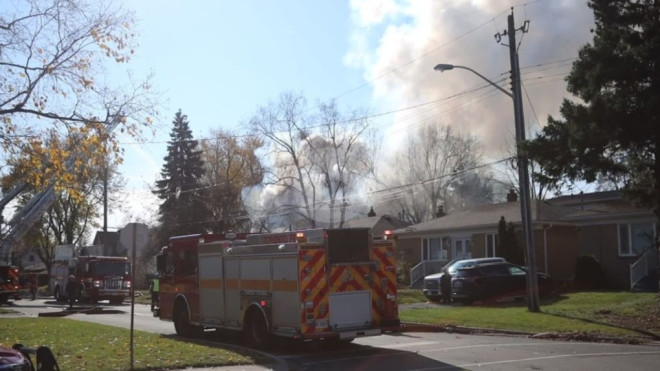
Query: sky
[[217, 61]]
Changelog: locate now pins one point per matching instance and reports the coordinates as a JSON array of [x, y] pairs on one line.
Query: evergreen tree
[[183, 209], [509, 248], [612, 131]]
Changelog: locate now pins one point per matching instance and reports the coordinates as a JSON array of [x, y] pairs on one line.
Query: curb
[[425, 327]]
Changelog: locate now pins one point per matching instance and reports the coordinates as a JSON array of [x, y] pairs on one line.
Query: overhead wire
[[415, 111]]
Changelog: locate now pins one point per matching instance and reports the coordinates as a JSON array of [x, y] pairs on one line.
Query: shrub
[[588, 273]]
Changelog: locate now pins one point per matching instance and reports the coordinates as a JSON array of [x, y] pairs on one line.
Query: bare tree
[[53, 56], [428, 172], [317, 160], [285, 127], [340, 156]]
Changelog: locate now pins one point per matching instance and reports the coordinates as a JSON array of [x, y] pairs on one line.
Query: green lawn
[[79, 345], [612, 313]]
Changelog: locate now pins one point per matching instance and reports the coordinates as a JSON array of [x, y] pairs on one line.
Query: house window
[[635, 238], [436, 248], [491, 245]]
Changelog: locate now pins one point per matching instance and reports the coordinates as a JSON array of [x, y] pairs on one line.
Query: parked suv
[[492, 281], [432, 288]]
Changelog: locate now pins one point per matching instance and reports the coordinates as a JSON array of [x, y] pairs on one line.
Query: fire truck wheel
[[117, 301], [256, 330], [182, 324]]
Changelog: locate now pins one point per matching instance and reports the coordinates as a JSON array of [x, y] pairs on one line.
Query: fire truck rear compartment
[[350, 309]]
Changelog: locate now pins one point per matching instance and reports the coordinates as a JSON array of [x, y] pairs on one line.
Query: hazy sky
[[218, 60]]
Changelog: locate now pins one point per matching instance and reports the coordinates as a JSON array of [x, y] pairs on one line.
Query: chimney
[[371, 212], [441, 212], [512, 196]]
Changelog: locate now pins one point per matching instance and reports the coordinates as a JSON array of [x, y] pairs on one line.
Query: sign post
[[133, 236]]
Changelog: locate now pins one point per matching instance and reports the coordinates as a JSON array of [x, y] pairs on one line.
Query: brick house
[[601, 224]]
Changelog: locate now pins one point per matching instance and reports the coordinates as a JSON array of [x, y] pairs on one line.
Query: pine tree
[[183, 210], [509, 248], [613, 129]]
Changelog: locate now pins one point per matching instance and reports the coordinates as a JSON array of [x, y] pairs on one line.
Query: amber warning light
[[300, 237]]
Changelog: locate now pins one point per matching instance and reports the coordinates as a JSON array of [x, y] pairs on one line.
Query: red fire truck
[[99, 277], [8, 283], [323, 284]]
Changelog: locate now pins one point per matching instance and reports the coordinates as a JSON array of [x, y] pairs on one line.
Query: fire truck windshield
[[105, 268], [348, 245]]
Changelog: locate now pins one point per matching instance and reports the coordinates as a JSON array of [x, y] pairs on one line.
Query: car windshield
[[111, 268], [453, 267]]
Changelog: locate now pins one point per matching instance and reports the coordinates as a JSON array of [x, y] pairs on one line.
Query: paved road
[[416, 351]]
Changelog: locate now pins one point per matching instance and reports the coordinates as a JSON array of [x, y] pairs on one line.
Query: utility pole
[[523, 164]]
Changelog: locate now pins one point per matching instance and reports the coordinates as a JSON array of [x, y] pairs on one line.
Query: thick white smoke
[[397, 44]]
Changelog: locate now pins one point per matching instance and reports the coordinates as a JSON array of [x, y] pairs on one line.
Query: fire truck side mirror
[[161, 263]]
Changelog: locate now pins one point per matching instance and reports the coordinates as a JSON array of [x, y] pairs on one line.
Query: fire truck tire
[[256, 330], [182, 324], [117, 301], [4, 298]]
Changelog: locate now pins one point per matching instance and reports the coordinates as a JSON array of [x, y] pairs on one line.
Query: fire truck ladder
[[24, 219]]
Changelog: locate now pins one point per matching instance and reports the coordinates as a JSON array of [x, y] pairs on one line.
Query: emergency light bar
[[387, 234], [300, 237]]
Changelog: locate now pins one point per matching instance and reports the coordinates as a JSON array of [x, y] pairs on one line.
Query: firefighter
[[445, 288], [153, 289], [33, 288], [71, 290]]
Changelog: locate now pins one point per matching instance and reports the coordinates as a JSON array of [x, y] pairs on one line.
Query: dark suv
[[433, 289], [492, 281]]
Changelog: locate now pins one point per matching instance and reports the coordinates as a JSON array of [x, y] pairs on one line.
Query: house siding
[[562, 252], [602, 241]]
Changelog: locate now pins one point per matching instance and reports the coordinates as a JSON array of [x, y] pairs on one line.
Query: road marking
[[495, 345], [480, 364], [404, 345]]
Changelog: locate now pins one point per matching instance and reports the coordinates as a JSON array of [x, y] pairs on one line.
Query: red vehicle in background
[[99, 277], [8, 283]]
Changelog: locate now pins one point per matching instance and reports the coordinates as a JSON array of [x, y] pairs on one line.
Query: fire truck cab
[[99, 278], [318, 284], [8, 283]]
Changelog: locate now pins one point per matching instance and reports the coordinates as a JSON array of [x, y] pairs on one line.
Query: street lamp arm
[[447, 67]]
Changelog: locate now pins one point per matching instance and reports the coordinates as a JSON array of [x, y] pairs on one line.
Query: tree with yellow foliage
[[53, 59]]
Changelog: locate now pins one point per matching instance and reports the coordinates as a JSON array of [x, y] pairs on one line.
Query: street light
[[447, 67], [523, 175]]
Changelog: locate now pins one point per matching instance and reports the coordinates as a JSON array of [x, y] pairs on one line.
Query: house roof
[[377, 224], [577, 209], [106, 238]]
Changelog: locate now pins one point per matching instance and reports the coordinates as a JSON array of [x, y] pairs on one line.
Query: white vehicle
[[432, 288]]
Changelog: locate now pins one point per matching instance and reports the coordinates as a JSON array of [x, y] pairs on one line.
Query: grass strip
[[80, 345], [610, 313]]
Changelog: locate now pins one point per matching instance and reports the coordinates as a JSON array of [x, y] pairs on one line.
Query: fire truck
[[319, 284], [8, 283], [99, 277]]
